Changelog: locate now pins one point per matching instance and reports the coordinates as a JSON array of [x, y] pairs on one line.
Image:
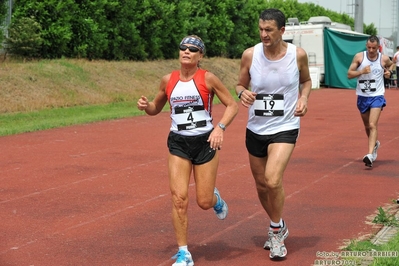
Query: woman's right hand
[[142, 103]]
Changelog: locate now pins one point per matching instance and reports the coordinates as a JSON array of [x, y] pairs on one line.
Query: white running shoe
[[377, 145], [221, 210], [183, 258], [368, 160], [284, 231], [277, 247]]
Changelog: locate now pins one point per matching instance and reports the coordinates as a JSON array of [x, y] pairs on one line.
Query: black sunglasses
[[192, 49]]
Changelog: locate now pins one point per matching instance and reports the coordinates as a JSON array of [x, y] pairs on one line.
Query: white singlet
[[372, 84], [277, 86]]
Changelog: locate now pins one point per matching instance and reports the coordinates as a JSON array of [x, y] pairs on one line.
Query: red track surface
[[98, 194]]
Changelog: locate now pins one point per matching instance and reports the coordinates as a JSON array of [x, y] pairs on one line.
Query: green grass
[[392, 245], [52, 118], [17, 123], [386, 219]]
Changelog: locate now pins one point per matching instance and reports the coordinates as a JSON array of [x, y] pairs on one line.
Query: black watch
[[239, 94]]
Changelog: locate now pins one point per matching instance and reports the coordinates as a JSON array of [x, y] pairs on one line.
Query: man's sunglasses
[[192, 49]]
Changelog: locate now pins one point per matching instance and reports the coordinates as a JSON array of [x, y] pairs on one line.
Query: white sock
[[183, 248], [275, 225]]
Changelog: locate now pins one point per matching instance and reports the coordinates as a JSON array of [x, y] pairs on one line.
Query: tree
[[370, 29], [89, 27], [24, 38], [4, 8], [152, 29], [245, 20], [54, 18]]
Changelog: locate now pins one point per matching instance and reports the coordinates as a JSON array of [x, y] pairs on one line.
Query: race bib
[[367, 85], [190, 117], [269, 105]]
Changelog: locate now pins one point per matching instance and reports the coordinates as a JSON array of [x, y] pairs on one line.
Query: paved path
[[97, 194]]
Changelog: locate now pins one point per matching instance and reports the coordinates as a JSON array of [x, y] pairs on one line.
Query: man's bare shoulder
[[387, 61], [300, 52], [248, 52], [359, 55]]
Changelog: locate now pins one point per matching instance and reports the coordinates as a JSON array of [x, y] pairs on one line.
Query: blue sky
[[379, 12]]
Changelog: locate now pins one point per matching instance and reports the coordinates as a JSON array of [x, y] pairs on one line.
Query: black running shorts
[[257, 144], [194, 148]]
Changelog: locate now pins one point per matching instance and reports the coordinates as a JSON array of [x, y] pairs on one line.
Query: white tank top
[[190, 104], [372, 84], [277, 85]]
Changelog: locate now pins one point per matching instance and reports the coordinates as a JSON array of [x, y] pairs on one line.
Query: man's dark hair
[[373, 38], [273, 14]]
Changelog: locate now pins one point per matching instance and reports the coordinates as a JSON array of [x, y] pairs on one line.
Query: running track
[[97, 194]]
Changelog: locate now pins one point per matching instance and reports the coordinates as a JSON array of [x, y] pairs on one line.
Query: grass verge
[[16, 123], [45, 94], [386, 254], [378, 253]]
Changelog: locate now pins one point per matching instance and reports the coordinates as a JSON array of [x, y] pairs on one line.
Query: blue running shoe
[[221, 209], [183, 258]]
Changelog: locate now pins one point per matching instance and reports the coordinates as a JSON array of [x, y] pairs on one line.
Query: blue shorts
[[365, 103]]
